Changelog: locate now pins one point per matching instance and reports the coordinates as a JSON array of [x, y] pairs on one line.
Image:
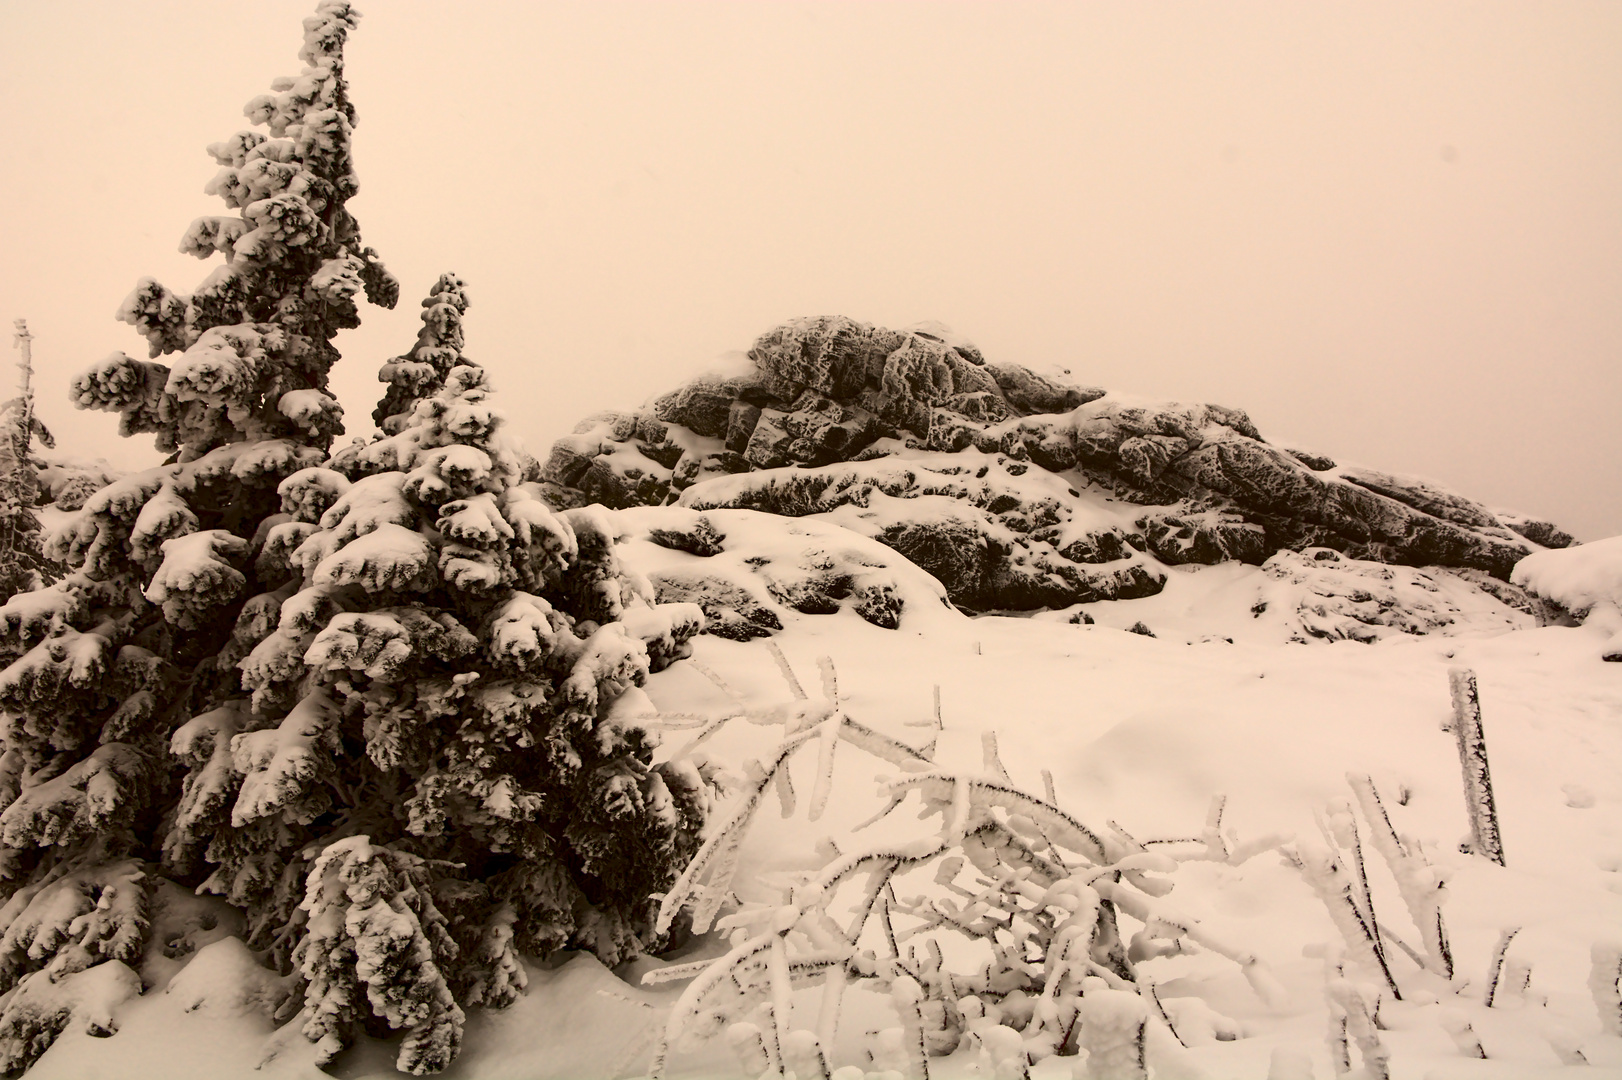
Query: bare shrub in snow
[[1038, 897]]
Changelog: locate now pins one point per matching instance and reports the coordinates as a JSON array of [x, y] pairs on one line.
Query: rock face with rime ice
[[1016, 492]]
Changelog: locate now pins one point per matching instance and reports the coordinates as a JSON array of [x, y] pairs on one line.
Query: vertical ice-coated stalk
[[782, 1002], [1566, 1046], [1345, 832], [1329, 878], [992, 761], [1114, 1027], [22, 341], [1605, 983], [1216, 848], [827, 743], [804, 1056], [1351, 1022], [1457, 1025], [1478, 797], [1496, 969], [1422, 888], [1002, 1054], [833, 993], [749, 1044], [908, 998]]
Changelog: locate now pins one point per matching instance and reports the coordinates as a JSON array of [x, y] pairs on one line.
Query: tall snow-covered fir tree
[[23, 564], [363, 696]]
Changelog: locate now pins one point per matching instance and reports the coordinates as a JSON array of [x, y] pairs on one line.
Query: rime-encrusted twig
[[1052, 910], [703, 885], [1566, 1046], [1153, 995], [788, 673], [1216, 846], [1345, 834], [1478, 797], [719, 682], [1458, 1028], [1605, 984], [1422, 886], [1352, 1022], [1329, 878], [1420, 961], [907, 996], [1340, 829], [717, 859], [1496, 968], [1058, 826], [993, 762], [1012, 870]]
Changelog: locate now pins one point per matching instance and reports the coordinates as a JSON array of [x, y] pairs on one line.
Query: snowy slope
[[1142, 731]]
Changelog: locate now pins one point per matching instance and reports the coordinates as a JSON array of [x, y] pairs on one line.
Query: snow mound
[[1586, 581], [1335, 598], [1579, 579], [1312, 596], [752, 572]]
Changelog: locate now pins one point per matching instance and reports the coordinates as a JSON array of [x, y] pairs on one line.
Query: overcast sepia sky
[[1390, 231]]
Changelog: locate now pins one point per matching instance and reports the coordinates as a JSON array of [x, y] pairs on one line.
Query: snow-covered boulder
[[751, 572], [1586, 581]]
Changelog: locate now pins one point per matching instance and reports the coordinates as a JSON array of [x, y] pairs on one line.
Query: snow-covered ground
[[1142, 732]]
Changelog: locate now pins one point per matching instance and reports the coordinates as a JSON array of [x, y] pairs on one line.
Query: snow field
[[1138, 731]]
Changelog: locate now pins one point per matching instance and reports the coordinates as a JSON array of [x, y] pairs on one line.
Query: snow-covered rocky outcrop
[[1018, 493]]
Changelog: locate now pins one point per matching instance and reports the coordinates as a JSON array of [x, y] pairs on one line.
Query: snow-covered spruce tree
[[137, 638], [361, 697], [23, 564], [459, 644]]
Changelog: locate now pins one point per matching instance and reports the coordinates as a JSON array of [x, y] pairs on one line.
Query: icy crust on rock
[[1016, 492], [1316, 595]]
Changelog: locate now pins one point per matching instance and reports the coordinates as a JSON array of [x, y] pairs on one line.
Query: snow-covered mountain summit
[[1020, 494]]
